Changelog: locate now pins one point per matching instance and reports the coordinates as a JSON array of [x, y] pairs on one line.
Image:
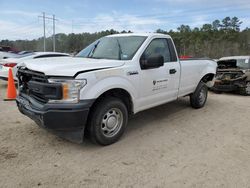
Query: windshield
[[24, 55], [117, 48], [243, 63]]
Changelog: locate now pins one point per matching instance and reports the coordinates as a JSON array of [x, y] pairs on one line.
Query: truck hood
[[68, 66]]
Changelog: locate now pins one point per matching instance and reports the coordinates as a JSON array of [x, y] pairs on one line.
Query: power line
[[192, 12], [126, 20]]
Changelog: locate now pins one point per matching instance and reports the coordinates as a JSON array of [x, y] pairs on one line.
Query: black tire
[[199, 97], [116, 114], [246, 90]]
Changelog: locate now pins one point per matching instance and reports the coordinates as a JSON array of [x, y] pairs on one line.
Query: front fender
[[103, 85]]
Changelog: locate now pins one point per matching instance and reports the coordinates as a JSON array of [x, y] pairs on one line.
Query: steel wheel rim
[[202, 96], [112, 122]]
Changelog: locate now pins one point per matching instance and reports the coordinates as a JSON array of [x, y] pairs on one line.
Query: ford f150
[[111, 79]]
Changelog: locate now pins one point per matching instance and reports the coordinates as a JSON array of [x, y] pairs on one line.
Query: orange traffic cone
[[11, 88]]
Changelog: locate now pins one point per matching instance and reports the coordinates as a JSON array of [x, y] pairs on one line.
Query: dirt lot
[[169, 146]]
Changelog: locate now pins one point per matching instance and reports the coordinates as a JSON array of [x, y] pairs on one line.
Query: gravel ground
[[169, 146]]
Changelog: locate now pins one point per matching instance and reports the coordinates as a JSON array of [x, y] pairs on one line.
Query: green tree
[[216, 25], [235, 23], [216, 39], [184, 28], [207, 28], [226, 24]]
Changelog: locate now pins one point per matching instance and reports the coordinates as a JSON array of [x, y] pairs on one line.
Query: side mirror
[[152, 62]]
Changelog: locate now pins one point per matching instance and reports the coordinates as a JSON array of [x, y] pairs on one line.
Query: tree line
[[214, 40]]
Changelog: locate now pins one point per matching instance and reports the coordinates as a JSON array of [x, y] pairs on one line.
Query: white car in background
[[4, 55], [6, 64]]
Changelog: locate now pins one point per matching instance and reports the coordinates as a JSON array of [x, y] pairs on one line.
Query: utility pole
[[44, 31], [44, 34], [54, 32]]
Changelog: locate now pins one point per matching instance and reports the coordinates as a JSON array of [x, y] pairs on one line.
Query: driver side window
[[157, 47]]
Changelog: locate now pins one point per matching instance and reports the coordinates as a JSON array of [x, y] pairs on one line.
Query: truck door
[[159, 85]]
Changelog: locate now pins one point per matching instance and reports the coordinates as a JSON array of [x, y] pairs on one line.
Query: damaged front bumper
[[65, 120], [229, 81], [229, 86], [220, 86]]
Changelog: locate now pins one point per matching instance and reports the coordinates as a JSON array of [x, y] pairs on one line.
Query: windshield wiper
[[93, 50]]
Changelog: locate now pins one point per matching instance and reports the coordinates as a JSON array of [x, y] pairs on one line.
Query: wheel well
[[119, 93], [208, 77]]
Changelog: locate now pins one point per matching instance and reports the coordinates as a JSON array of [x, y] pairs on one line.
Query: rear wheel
[[108, 121], [199, 97]]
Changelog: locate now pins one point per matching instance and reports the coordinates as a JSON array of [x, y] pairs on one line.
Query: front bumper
[[224, 88], [65, 120], [228, 87]]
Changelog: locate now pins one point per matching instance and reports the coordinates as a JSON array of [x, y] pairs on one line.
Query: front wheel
[[108, 121], [246, 89], [199, 97]]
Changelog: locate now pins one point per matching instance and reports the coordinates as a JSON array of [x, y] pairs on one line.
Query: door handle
[[172, 71]]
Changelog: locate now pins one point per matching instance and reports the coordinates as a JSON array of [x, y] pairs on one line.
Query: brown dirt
[[169, 146]]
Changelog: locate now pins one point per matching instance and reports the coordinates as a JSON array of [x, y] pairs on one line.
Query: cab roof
[[139, 34]]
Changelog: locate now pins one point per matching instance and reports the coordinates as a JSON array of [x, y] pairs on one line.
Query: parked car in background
[[7, 49], [5, 64], [4, 55], [233, 75], [12, 54], [24, 53]]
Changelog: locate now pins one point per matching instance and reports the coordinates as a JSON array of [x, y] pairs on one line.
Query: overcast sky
[[19, 19]]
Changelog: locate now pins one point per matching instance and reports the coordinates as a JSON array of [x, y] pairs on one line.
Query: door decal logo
[[159, 84]]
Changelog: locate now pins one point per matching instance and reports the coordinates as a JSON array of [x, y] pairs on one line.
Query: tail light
[[185, 57], [9, 64]]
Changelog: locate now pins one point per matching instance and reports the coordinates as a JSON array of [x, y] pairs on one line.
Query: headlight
[[70, 90]]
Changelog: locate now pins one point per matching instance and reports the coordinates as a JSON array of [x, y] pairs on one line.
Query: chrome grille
[[25, 76]]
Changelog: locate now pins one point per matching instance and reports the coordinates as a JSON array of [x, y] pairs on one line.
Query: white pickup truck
[[111, 79]]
